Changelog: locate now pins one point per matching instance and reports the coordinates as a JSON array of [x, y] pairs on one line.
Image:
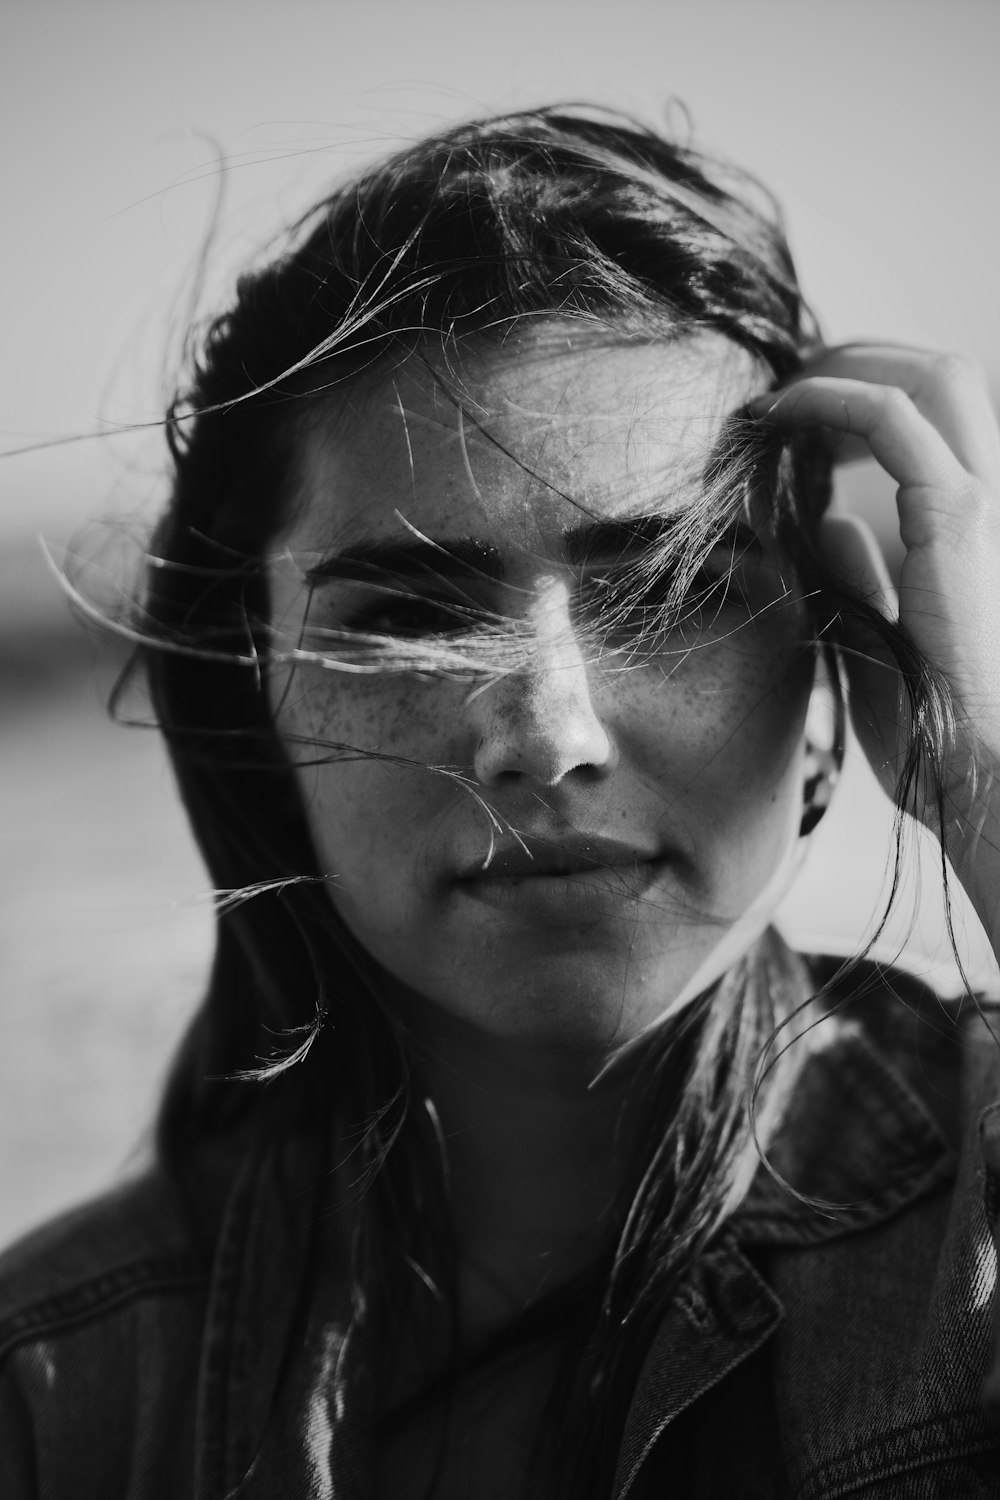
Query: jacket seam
[[790, 1223], [840, 1476], [96, 1296]]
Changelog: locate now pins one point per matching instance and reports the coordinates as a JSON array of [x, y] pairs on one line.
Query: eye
[[630, 607], [410, 616]]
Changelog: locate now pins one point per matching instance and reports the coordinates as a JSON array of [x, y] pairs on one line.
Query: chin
[[583, 1017], [590, 997]]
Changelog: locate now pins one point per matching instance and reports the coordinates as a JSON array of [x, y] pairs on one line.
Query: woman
[[491, 627]]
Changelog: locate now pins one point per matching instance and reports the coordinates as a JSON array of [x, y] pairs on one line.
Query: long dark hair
[[570, 212]]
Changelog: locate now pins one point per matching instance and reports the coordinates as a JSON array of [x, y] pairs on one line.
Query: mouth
[[535, 858], [570, 876]]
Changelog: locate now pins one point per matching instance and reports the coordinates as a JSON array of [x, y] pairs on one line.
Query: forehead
[[518, 443]]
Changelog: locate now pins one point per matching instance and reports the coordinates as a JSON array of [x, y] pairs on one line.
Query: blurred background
[[876, 122]]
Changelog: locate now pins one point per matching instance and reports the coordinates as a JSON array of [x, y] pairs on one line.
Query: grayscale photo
[[500, 770]]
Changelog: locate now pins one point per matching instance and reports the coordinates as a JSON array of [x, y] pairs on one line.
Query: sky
[[876, 122]]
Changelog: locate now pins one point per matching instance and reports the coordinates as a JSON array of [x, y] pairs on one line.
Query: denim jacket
[[157, 1343]]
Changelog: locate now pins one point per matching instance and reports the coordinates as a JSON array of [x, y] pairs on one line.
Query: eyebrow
[[370, 561], [450, 557]]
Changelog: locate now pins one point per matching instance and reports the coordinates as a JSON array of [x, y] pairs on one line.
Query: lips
[[547, 858], [546, 885]]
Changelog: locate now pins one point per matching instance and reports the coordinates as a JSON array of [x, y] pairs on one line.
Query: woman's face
[[636, 811]]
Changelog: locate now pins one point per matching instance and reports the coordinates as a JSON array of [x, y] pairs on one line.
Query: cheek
[[723, 726], [758, 762], [367, 716], [365, 805]]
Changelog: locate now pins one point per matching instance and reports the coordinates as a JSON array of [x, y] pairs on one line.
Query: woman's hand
[[928, 420]]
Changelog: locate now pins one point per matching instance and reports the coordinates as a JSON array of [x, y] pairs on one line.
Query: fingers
[[903, 440], [947, 389]]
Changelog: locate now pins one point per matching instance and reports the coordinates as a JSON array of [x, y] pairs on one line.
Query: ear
[[853, 553], [825, 734]]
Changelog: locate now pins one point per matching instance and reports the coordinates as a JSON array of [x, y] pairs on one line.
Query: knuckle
[[950, 368], [974, 510], [979, 506], [896, 402]]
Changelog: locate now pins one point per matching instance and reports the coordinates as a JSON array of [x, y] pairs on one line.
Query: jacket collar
[[855, 1146]]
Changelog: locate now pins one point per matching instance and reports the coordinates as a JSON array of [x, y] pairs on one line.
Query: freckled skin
[[695, 755]]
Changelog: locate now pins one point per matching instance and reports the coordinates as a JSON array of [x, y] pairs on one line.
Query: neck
[[537, 1158]]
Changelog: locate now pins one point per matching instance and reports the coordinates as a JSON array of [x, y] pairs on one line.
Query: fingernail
[[763, 406]]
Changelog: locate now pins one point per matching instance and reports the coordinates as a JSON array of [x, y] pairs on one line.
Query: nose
[[539, 723]]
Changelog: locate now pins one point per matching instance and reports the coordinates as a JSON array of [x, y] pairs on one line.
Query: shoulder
[[100, 1310], [136, 1237], [943, 1045], [882, 1256]]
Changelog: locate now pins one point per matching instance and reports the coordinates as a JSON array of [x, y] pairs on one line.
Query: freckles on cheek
[[368, 809], [390, 715], [728, 717]]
